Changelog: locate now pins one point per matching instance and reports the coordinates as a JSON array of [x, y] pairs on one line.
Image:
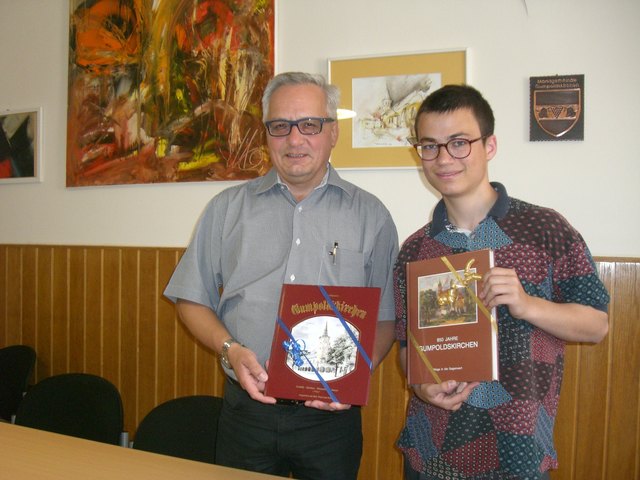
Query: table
[[27, 453]]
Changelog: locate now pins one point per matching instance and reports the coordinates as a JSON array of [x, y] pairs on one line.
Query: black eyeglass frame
[[418, 147], [296, 123]]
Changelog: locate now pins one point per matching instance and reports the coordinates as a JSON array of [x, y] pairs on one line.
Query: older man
[[281, 228]]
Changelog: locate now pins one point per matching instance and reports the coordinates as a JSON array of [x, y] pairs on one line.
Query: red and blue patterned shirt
[[505, 428]]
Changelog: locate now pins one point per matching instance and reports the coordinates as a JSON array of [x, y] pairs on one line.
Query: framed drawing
[[385, 93], [167, 91], [20, 145]]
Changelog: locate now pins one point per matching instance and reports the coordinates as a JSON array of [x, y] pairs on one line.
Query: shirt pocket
[[345, 268]]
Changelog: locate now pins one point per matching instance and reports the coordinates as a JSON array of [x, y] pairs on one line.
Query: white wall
[[594, 183]]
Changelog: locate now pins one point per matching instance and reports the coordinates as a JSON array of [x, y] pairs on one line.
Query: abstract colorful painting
[[167, 90]]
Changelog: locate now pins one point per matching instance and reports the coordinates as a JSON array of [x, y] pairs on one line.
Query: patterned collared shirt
[[505, 429]]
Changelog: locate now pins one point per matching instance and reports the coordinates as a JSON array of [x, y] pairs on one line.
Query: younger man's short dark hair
[[455, 97]]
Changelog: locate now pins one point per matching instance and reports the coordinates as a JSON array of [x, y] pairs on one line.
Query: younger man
[[544, 286]]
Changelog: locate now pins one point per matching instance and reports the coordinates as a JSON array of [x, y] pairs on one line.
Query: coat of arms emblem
[[557, 111]]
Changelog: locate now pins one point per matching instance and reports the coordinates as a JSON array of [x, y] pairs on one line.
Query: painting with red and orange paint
[[167, 90]]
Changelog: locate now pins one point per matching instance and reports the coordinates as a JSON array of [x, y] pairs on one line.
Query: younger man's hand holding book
[[449, 395]]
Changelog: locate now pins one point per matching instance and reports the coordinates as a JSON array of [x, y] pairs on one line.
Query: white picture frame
[[20, 145]]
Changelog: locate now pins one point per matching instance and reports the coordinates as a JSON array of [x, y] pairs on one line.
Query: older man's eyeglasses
[[306, 126], [458, 148]]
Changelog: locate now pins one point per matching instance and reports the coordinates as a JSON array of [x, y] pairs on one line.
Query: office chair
[[16, 365], [77, 404], [184, 427]]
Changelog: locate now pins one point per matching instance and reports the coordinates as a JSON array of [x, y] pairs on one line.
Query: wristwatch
[[224, 359]]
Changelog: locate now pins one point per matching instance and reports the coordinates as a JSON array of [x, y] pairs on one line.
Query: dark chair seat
[[16, 365], [184, 427], [77, 404]]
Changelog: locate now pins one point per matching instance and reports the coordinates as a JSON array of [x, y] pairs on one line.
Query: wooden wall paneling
[[101, 310], [382, 421], [149, 362], [92, 303], [29, 288], [5, 331], [209, 373], [129, 336], [44, 326], [110, 315], [186, 346], [598, 421], [13, 295], [371, 426], [4, 325], [622, 442], [582, 415], [590, 417], [76, 304], [13, 330], [59, 314], [167, 329], [565, 431], [395, 397]]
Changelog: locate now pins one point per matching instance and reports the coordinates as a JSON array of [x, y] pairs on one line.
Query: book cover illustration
[[322, 344], [451, 334]]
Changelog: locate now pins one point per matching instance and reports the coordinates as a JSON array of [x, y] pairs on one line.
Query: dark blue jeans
[[281, 440]]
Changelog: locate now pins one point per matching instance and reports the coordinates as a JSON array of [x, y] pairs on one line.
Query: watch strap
[[226, 345]]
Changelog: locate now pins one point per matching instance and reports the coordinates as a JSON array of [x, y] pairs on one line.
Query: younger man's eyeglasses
[[458, 148], [306, 126]]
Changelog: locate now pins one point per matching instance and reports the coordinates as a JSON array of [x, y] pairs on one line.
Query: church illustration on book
[[321, 343]]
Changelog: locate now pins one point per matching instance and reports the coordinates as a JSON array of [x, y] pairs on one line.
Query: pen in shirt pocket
[[334, 252]]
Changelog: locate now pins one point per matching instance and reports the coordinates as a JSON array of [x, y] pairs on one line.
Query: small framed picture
[[20, 145], [385, 94]]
